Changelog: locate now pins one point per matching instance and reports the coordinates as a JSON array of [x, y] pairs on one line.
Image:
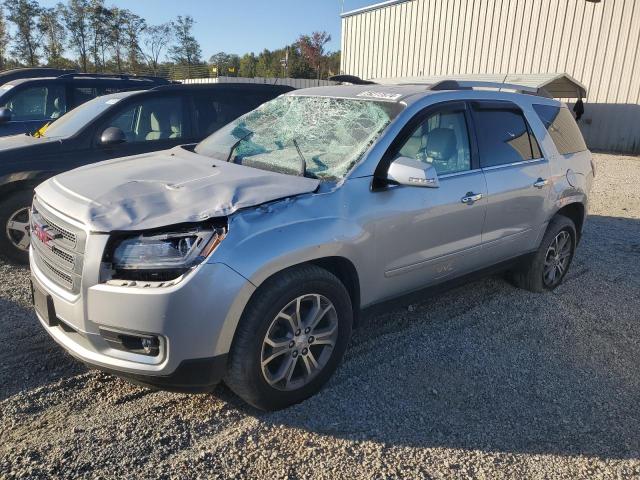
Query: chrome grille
[[58, 247], [56, 273]]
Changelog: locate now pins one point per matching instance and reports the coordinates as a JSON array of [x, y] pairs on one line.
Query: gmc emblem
[[40, 231]]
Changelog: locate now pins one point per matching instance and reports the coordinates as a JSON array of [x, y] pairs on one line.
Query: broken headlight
[[161, 256]]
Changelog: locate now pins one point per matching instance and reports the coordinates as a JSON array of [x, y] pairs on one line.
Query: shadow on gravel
[[489, 367], [29, 358]]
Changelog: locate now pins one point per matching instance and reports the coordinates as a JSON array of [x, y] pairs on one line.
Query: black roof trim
[[353, 79]]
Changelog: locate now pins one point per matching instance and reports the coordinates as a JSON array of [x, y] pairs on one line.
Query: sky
[[241, 26]]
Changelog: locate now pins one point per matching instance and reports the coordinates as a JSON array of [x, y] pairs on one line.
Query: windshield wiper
[[303, 161], [235, 145]]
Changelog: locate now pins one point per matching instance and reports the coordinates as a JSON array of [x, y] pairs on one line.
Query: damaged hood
[[164, 188]]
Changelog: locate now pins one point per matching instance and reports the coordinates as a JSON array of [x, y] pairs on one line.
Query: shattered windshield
[[312, 136]]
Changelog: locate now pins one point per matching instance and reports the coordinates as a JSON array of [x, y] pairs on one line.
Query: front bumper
[[194, 321], [192, 376]]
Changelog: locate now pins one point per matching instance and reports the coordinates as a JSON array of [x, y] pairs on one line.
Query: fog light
[[131, 342], [147, 345]]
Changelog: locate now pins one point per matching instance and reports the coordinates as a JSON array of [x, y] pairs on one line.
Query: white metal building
[[597, 43]]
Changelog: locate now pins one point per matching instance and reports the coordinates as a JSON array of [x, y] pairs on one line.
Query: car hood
[[163, 188], [22, 140]]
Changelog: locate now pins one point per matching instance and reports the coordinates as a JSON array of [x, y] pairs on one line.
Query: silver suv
[[248, 257]]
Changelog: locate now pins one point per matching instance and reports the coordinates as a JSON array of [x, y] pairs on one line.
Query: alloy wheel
[[557, 259], [17, 229], [299, 342]]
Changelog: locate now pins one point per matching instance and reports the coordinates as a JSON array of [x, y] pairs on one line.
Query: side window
[[214, 110], [503, 135], [562, 128], [83, 94], [38, 103], [441, 140], [150, 120]]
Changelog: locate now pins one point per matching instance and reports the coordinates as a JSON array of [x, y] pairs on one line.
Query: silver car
[[248, 257]]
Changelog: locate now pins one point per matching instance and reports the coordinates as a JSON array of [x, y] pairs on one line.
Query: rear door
[[517, 176], [150, 123]]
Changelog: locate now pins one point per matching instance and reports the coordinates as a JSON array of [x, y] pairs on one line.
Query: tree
[[226, 63], [157, 38], [24, 15], [333, 63], [76, 18], [53, 33], [187, 50], [247, 67], [4, 40], [99, 18], [134, 27], [312, 48]]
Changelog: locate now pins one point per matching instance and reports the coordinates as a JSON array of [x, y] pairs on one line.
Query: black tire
[[530, 276], [15, 202], [244, 372]]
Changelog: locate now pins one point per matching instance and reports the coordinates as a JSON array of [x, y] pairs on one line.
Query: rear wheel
[[290, 339], [547, 268], [14, 218]]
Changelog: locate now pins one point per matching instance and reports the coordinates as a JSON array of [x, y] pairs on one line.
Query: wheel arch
[[341, 267], [576, 212]]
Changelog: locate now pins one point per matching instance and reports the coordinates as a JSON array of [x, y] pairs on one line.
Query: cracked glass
[[319, 137]]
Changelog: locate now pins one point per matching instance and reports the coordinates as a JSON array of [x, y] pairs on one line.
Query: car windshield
[[313, 136], [70, 123]]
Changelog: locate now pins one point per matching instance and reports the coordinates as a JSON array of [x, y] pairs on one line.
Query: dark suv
[[28, 103], [111, 126]]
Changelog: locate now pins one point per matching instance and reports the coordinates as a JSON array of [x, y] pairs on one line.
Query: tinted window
[[503, 136], [72, 122], [83, 94], [151, 119], [562, 127], [217, 108], [441, 140], [37, 103]]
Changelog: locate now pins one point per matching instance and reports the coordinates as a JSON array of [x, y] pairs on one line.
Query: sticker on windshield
[[380, 95], [111, 101]]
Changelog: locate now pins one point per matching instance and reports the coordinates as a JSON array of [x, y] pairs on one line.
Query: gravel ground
[[485, 381]]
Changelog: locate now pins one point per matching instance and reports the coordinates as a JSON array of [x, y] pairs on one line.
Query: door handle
[[470, 198], [541, 182]]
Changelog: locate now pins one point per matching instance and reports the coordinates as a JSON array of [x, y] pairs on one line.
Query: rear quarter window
[[562, 128]]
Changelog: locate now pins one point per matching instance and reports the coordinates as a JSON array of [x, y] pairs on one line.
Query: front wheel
[[548, 266], [291, 338], [14, 219]]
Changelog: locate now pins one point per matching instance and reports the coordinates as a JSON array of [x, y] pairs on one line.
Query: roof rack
[[471, 84], [32, 72], [122, 76], [550, 85]]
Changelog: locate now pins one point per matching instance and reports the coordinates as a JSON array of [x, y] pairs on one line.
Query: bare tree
[[157, 38], [24, 15]]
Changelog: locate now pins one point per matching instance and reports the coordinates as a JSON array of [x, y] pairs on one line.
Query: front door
[[425, 235], [149, 124], [517, 177]]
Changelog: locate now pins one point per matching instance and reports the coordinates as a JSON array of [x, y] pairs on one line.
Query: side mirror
[[113, 136], [414, 173], [5, 115]]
